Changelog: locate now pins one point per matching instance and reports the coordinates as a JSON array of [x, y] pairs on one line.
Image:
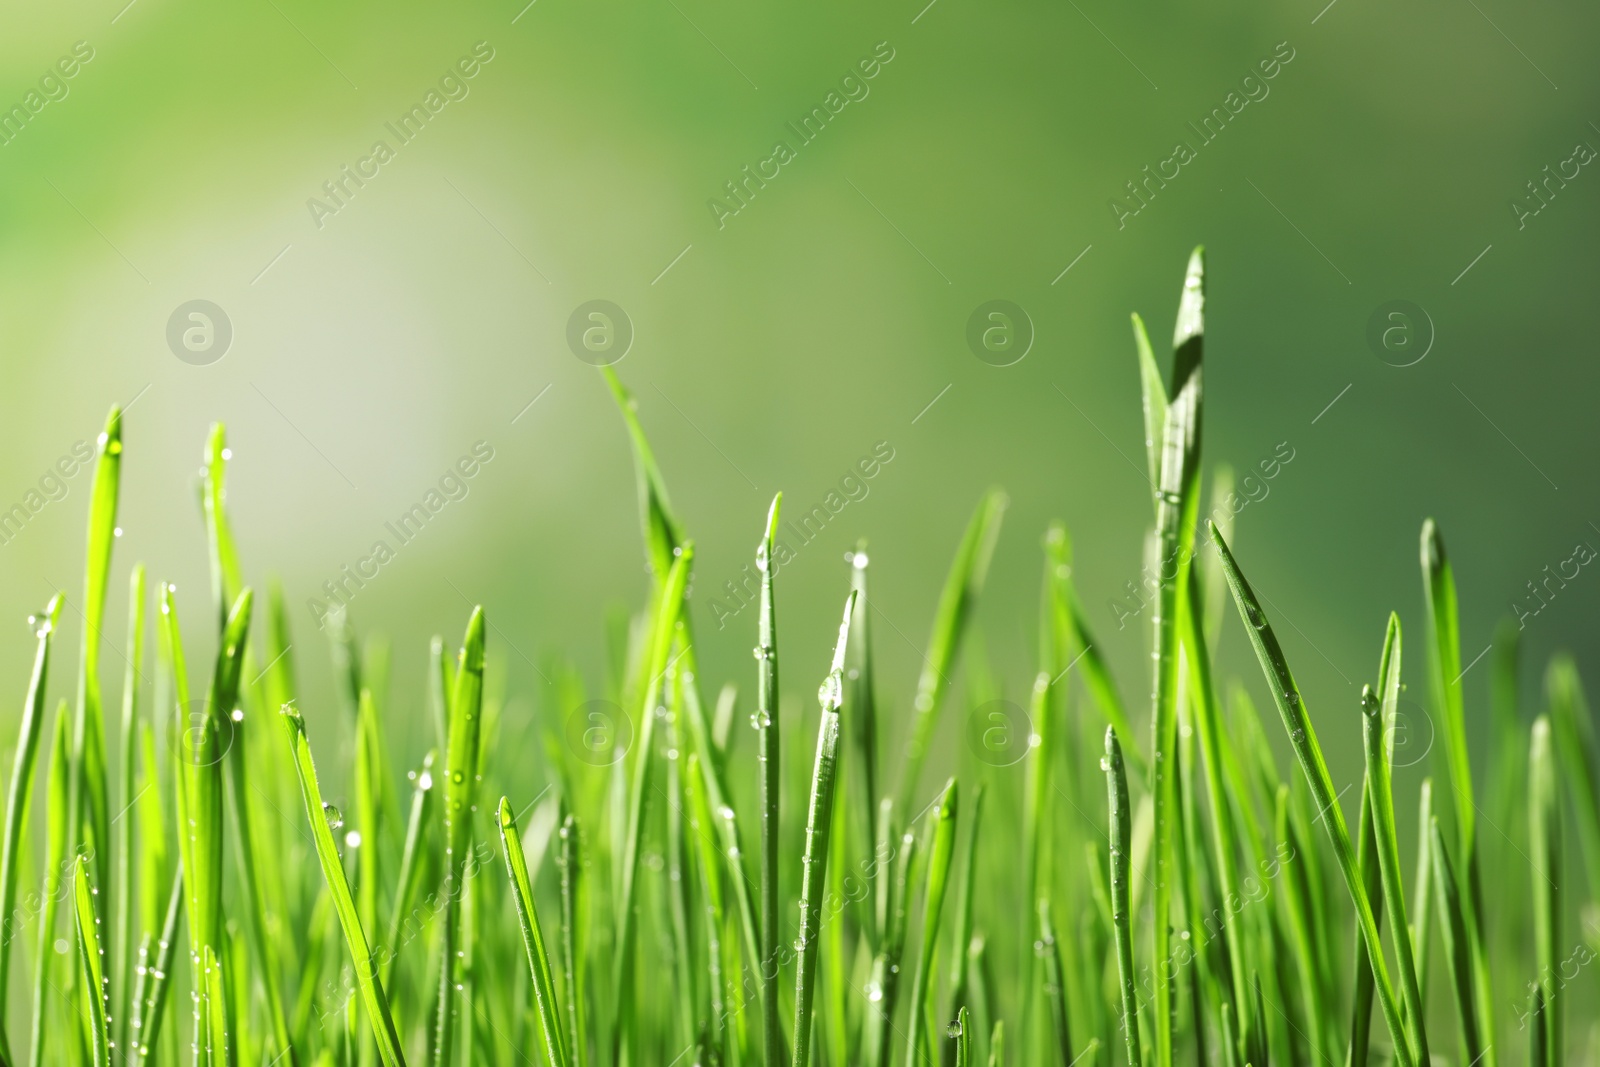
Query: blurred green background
[[371, 352]]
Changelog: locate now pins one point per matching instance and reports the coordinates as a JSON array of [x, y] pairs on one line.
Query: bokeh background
[[372, 351]]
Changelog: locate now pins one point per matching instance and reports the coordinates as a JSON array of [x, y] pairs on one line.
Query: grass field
[[1112, 876]]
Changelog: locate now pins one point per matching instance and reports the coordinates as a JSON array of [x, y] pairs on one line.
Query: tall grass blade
[[544, 990], [1544, 839], [56, 807], [1297, 722], [460, 791], [317, 816], [961, 1031], [90, 963], [411, 861], [767, 758], [1378, 727], [128, 740], [19, 798], [962, 586], [819, 825], [569, 860], [938, 877], [1121, 917], [150, 1007], [1055, 987], [1422, 892], [1453, 935], [1572, 730]]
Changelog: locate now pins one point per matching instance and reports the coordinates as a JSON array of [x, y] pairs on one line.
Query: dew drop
[[425, 781], [352, 839], [953, 1030], [238, 715], [334, 816]]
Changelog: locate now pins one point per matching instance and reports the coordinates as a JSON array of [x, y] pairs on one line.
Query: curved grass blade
[[819, 826], [883, 987], [1453, 934], [1544, 839], [1378, 726], [938, 877], [1302, 924], [966, 893], [146, 1025], [767, 757], [1422, 891], [961, 1031], [56, 790], [90, 964], [405, 889], [1176, 505], [1153, 394], [1121, 919], [460, 788], [962, 587], [19, 798], [1297, 722], [662, 534], [544, 991], [366, 971]]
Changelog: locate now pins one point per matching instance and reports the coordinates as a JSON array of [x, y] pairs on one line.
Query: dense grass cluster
[[1083, 892]]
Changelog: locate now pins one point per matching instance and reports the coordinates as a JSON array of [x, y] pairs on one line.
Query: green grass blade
[[411, 860], [19, 798], [1544, 839], [372, 995], [128, 739], [1378, 728], [883, 986], [861, 728], [88, 817], [961, 1030], [1422, 891], [56, 805], [544, 991], [146, 1026], [1453, 935], [662, 635], [768, 749], [1572, 728], [1121, 917], [1302, 922], [1361, 1000], [1153, 394], [1055, 987], [90, 963], [1539, 1050], [938, 878], [1176, 504], [819, 826], [962, 586], [997, 1045], [662, 534], [1297, 722], [460, 789], [966, 898], [570, 862]]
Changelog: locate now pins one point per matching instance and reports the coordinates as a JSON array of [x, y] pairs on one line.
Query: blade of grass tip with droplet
[[1213, 741], [460, 788], [1038, 811], [662, 634], [937, 879], [123, 935], [861, 726], [90, 965], [1055, 989], [1378, 730], [1573, 732], [966, 897], [1176, 504], [1439, 588], [1121, 919], [544, 991], [1453, 935], [405, 887], [962, 586], [768, 748], [19, 795], [1544, 841], [1297, 723], [87, 806], [366, 972], [961, 1029], [819, 826], [56, 803]]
